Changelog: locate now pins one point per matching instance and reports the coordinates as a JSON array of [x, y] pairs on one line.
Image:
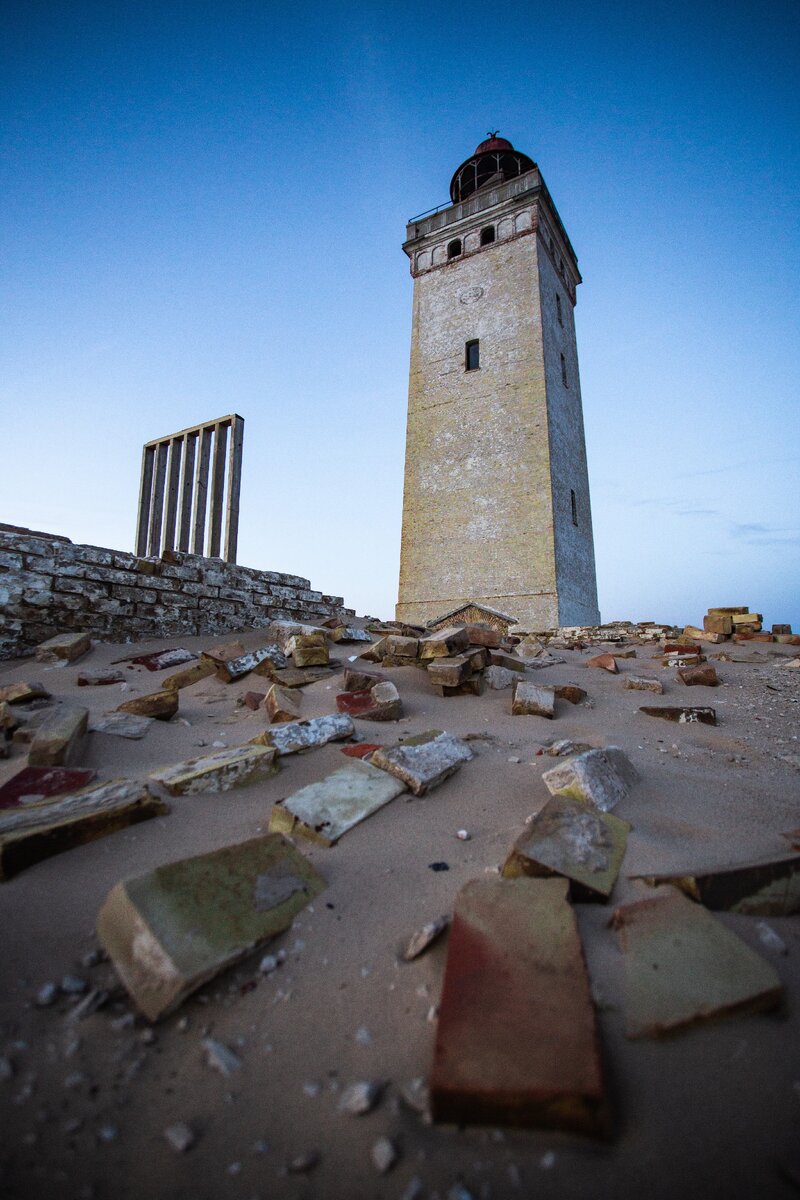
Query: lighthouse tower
[[496, 501]]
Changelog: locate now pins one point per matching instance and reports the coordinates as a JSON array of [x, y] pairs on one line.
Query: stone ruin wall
[[49, 585]]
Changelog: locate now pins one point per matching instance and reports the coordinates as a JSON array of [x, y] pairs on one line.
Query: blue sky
[[202, 212]]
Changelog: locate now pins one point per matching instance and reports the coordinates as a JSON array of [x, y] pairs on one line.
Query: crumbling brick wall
[[49, 585]]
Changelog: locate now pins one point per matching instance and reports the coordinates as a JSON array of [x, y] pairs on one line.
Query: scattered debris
[[325, 810], [64, 648], [384, 1155], [770, 888], [529, 699], [357, 1099], [682, 715], [703, 676], [31, 785], [169, 932], [424, 761], [59, 738], [159, 660], [605, 662], [161, 705], [683, 966], [598, 777], [515, 977], [639, 683], [570, 692], [282, 703], [305, 735], [121, 724], [419, 942], [217, 772]]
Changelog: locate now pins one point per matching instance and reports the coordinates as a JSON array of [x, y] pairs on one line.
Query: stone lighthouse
[[496, 503]]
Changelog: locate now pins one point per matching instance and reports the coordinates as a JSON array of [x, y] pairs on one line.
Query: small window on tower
[[472, 357], [558, 310], [574, 503], [454, 248], [564, 371], [487, 235]]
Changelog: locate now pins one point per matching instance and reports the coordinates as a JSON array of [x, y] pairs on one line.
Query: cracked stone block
[[529, 699], [170, 931], [768, 888], [34, 832], [499, 658], [217, 772], [449, 672], [683, 966], [267, 657], [499, 678], [282, 703], [160, 705], [424, 764], [64, 647], [704, 676], [398, 646], [567, 838], [598, 777], [325, 810], [517, 1041], [59, 738], [305, 735], [189, 675], [639, 683], [444, 643]]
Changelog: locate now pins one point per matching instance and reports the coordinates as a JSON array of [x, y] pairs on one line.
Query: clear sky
[[203, 206]]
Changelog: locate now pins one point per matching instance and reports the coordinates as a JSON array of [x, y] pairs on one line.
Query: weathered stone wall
[[49, 585]]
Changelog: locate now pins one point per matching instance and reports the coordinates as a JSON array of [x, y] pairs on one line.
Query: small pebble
[[268, 964], [548, 1160], [360, 1098], [438, 866], [413, 1189], [220, 1058], [180, 1136], [513, 759], [107, 1133], [363, 1036], [769, 938], [73, 985], [463, 835], [6, 1069], [384, 1155], [46, 995], [313, 1088], [302, 1163]]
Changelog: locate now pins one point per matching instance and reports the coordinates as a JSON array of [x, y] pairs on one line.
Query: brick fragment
[[252, 700], [31, 785], [703, 635], [360, 750], [99, 678], [160, 705], [606, 662], [292, 677], [381, 702], [262, 660], [172, 930], [282, 703], [516, 1042], [160, 660], [483, 635], [598, 777], [23, 692], [704, 676], [189, 675], [398, 646], [59, 738], [425, 761], [765, 888], [325, 810], [444, 642], [639, 683], [499, 658], [782, 630], [305, 735], [469, 687], [450, 671], [309, 650], [570, 692], [357, 679], [681, 714], [529, 699], [64, 647], [499, 678], [718, 623], [217, 772]]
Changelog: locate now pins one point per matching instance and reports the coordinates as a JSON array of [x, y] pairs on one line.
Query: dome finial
[[492, 133]]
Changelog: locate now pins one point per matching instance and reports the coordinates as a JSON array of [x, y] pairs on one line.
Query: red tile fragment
[[39, 783], [362, 750]]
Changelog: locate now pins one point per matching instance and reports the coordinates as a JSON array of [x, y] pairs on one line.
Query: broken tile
[[768, 888], [424, 764], [305, 735], [517, 1042], [419, 942], [348, 633], [253, 700], [120, 724], [36, 831], [170, 931], [217, 772], [381, 702], [31, 785], [22, 692], [224, 652], [268, 657], [282, 704], [99, 678], [683, 966], [704, 676], [683, 715], [530, 699], [293, 677], [606, 662], [189, 675], [325, 810], [160, 705], [358, 679], [570, 692], [64, 647], [639, 683], [567, 838], [159, 660], [444, 642], [361, 750], [703, 635], [598, 777], [59, 738]]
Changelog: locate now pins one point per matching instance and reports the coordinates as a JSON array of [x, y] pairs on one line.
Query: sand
[[711, 1112]]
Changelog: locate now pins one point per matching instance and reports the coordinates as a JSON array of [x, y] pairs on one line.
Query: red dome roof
[[493, 143]]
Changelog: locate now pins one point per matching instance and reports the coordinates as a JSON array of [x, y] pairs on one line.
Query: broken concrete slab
[[444, 643], [605, 662], [170, 931], [517, 1042], [381, 702], [640, 683], [768, 888], [598, 777], [99, 678], [160, 660], [121, 724], [529, 699], [683, 966], [59, 738], [282, 703], [32, 785], [449, 672], [37, 831], [22, 692], [189, 675], [162, 706], [267, 657], [325, 810], [64, 648], [682, 715], [701, 676], [305, 735], [567, 838], [218, 772], [423, 765]]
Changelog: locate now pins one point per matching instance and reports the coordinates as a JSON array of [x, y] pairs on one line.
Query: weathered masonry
[[48, 585], [174, 494], [496, 503]]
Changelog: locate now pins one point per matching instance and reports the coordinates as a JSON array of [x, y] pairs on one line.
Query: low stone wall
[[49, 585]]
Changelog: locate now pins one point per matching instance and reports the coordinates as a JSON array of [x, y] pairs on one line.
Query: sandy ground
[[709, 1113]]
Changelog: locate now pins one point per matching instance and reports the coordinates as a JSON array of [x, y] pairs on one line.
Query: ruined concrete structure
[[496, 503]]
